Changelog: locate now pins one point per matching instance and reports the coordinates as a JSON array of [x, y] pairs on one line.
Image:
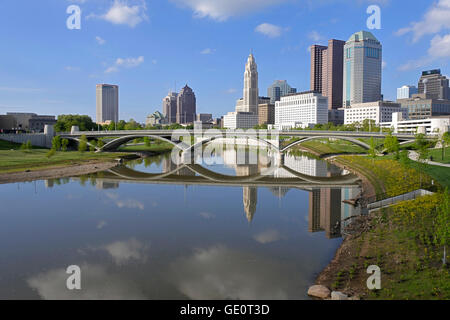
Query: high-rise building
[[107, 103], [434, 85], [170, 107], [266, 114], [251, 91], [186, 106], [317, 67], [332, 73], [406, 92], [279, 89], [362, 69], [378, 111], [245, 115]]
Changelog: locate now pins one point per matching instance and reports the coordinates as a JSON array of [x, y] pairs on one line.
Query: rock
[[337, 295], [319, 291]]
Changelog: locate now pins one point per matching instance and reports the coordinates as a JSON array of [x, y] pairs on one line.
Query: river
[[215, 230]]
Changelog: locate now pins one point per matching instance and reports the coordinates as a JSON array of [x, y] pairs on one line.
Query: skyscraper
[[362, 69], [317, 67], [434, 85], [251, 91], [107, 103], [186, 106], [170, 107], [279, 89]]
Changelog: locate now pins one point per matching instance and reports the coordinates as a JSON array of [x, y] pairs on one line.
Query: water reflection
[[211, 233]]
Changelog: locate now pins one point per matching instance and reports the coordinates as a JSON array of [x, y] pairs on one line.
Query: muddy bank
[[57, 172]]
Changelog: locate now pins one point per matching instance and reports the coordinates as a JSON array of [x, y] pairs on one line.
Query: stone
[[319, 291], [337, 295]]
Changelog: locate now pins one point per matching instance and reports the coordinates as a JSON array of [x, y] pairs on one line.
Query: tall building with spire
[[251, 92], [245, 115]]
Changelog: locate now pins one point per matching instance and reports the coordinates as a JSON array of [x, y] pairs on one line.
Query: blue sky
[[147, 46]]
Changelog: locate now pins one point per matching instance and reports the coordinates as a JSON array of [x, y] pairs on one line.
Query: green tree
[[445, 142], [147, 141], [50, 153], [100, 143], [392, 145], [56, 143], [82, 145], [64, 144], [92, 145], [65, 123]]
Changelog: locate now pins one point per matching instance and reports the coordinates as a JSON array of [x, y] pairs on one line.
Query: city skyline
[[95, 54]]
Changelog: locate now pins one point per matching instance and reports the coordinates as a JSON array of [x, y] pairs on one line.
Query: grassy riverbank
[[325, 146], [437, 155], [13, 159], [405, 241]]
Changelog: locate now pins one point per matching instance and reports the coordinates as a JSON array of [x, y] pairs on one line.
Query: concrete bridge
[[118, 138]]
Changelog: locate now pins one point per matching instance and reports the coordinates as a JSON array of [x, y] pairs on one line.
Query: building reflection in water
[[327, 212]]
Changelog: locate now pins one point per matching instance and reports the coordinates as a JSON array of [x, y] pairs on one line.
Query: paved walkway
[[415, 157]]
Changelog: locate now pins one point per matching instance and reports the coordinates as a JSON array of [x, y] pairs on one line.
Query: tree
[[147, 141], [64, 144], [443, 223], [372, 150], [392, 145], [92, 146], [445, 142], [56, 143], [65, 123], [100, 143], [82, 145]]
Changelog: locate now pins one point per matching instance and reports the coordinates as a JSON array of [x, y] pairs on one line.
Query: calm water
[[188, 235]]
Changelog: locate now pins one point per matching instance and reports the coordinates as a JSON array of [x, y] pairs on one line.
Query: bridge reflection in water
[[327, 184]]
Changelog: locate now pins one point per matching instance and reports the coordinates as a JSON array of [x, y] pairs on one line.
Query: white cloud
[[270, 30], [440, 46], [439, 50], [315, 36], [384, 64], [125, 63], [125, 251], [437, 18], [221, 10], [231, 90], [208, 51], [125, 12], [97, 283], [125, 203], [100, 41]]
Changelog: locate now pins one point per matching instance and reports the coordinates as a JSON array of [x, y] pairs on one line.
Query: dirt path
[[57, 172]]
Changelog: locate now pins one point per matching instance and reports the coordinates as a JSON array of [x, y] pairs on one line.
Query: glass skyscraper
[[362, 69], [279, 89]]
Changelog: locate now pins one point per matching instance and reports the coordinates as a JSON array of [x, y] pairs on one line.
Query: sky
[[149, 47]]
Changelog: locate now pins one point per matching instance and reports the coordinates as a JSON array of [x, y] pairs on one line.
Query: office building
[[421, 107], [107, 103], [362, 69], [240, 120], [266, 114], [379, 111], [327, 74], [406, 92], [304, 109], [30, 121], [205, 117], [432, 125], [434, 85], [317, 67], [186, 106], [279, 89], [170, 107]]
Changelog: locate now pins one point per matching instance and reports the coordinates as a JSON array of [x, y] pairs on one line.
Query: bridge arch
[[77, 140], [212, 138], [353, 140], [116, 143]]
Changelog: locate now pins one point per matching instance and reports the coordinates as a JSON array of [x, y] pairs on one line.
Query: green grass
[[6, 145], [18, 160], [332, 147], [437, 155]]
